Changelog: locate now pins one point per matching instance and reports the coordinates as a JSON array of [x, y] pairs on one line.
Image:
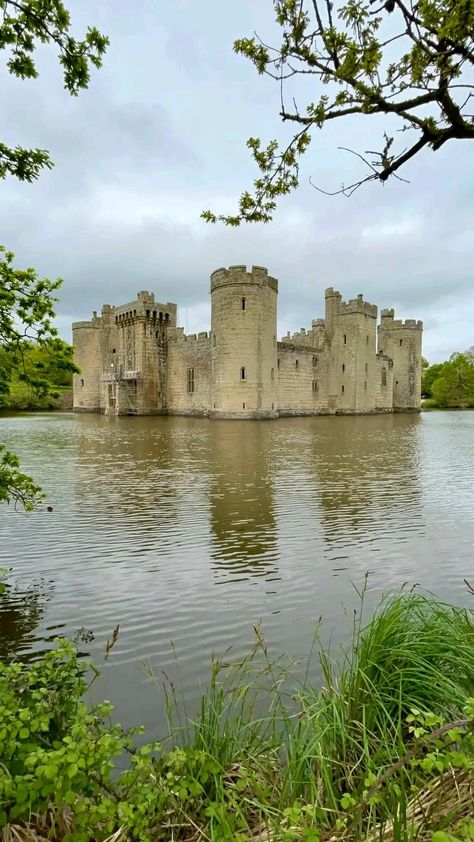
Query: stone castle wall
[[135, 360]]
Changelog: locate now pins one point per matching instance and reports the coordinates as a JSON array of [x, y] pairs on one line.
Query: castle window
[[273, 406], [278, 363], [315, 386], [113, 350], [366, 340], [297, 363], [384, 376], [396, 382], [243, 303], [190, 380], [366, 367], [82, 382], [342, 390], [365, 385], [343, 367], [272, 375], [214, 339], [315, 360], [401, 342], [243, 374], [243, 406], [345, 339]]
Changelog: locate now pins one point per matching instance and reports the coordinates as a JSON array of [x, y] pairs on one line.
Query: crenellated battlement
[[335, 306], [389, 322], [144, 306], [93, 324], [239, 275], [191, 338], [358, 305]]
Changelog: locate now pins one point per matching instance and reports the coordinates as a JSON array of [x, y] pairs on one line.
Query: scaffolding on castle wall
[[121, 392]]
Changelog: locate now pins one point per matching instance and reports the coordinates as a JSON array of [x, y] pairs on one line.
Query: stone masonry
[[134, 360]]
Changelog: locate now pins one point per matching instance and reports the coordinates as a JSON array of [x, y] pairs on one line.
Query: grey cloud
[[160, 136]]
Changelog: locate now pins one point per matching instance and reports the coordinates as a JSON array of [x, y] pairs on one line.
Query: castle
[[134, 360]]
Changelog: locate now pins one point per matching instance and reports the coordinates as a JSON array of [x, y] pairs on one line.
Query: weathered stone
[[134, 360]]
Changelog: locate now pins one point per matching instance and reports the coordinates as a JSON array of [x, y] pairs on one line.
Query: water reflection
[[241, 493], [369, 483], [190, 531], [21, 611]]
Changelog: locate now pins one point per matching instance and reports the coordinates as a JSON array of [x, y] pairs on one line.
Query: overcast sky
[[160, 136]]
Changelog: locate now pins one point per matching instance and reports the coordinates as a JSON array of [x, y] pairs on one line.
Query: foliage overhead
[[24, 25], [27, 301], [409, 60]]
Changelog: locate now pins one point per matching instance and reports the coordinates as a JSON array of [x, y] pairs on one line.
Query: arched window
[[384, 376], [243, 374], [401, 342], [242, 303]]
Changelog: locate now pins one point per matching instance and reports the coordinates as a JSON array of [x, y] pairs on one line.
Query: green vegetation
[[450, 384], [410, 62], [27, 301], [36, 377], [385, 750]]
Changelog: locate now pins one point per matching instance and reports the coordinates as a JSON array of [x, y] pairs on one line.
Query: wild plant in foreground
[[384, 750]]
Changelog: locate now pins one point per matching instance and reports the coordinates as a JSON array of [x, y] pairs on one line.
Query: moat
[[187, 531]]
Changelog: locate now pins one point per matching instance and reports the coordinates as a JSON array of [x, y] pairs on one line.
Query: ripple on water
[[187, 532]]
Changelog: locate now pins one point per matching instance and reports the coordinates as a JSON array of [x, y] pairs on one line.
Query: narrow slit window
[[243, 373], [384, 377], [190, 380], [345, 339], [82, 382], [242, 303], [272, 375], [365, 385], [366, 367], [343, 367], [401, 342], [315, 361], [297, 364], [342, 390], [366, 340], [315, 387]]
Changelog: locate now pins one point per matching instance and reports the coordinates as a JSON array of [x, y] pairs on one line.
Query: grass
[[383, 750], [22, 398]]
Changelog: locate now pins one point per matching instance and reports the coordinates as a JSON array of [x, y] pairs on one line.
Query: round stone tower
[[244, 347]]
